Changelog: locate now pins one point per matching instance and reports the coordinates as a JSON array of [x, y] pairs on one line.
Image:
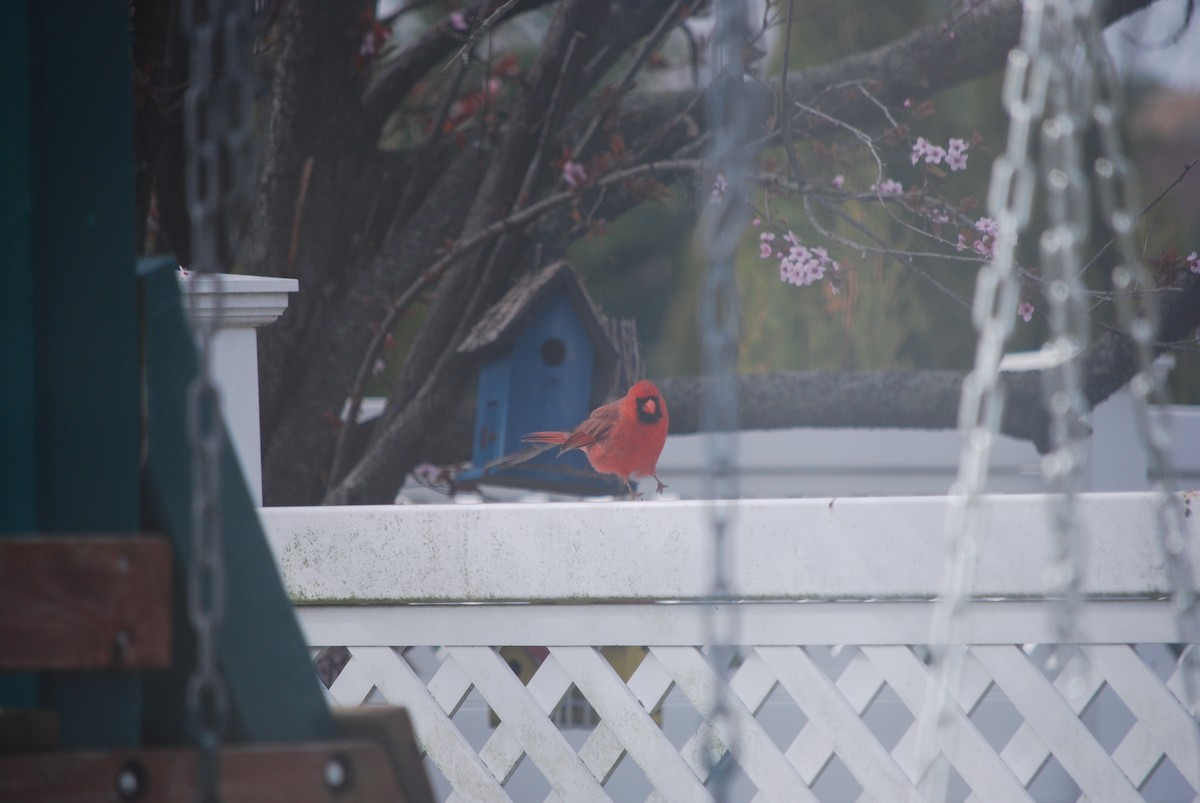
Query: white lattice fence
[[825, 702]]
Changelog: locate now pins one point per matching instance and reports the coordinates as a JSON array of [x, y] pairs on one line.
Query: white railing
[[837, 605]]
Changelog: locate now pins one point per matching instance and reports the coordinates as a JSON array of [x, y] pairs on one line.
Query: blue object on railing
[[545, 356]]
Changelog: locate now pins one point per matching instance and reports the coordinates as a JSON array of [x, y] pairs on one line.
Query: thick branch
[[923, 399], [931, 58]]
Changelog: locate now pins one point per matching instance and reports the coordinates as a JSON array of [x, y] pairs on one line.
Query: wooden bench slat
[[85, 602]]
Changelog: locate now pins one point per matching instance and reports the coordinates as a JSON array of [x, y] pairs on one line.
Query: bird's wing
[[594, 429]]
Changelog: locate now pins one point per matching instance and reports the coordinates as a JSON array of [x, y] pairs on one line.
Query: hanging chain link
[[217, 137], [1137, 305], [725, 218], [206, 696], [1068, 208], [1010, 198], [1061, 69]]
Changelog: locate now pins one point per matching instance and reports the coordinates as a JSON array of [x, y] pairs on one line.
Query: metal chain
[[1068, 208], [725, 218], [1010, 196], [1138, 309], [1060, 68], [206, 695], [217, 136]]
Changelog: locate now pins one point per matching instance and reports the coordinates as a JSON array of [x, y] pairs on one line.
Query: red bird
[[624, 437]]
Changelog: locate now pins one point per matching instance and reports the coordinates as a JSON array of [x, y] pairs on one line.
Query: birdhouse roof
[[500, 324]]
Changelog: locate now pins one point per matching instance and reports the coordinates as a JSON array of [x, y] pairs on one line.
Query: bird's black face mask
[[649, 409]]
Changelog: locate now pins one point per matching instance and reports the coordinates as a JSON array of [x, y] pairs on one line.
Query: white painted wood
[[540, 739], [871, 765], [960, 741], [776, 623], [238, 300], [774, 626], [785, 549], [974, 685], [1045, 710], [739, 731], [1138, 754], [649, 684], [1026, 752], [643, 739], [438, 736], [811, 750], [751, 683], [352, 685], [1157, 710], [449, 686], [503, 751], [245, 303]]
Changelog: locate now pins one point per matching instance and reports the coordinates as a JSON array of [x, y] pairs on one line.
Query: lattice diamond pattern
[[859, 707]]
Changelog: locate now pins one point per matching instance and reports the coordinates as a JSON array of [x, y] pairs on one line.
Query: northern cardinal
[[624, 437]]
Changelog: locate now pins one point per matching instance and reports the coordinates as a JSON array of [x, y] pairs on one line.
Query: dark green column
[[69, 461]]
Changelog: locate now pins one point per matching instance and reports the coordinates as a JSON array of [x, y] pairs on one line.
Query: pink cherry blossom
[[573, 173], [765, 249], [1193, 262], [888, 188], [988, 232], [956, 154], [924, 149], [919, 149], [987, 226], [458, 22], [1025, 310], [838, 181], [803, 266]]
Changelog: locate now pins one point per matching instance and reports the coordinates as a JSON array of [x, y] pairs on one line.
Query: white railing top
[[812, 549]]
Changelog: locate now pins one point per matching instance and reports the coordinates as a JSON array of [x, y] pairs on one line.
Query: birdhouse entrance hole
[[554, 351]]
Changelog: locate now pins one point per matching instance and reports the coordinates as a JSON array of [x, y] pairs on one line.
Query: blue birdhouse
[[547, 358]]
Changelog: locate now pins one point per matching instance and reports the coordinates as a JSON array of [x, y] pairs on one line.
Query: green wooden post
[[69, 309], [18, 444], [273, 691], [71, 352]]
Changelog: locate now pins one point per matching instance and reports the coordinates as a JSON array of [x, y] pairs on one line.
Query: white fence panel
[[836, 600]]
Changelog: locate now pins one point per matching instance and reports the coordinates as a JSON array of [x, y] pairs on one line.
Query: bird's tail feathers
[[563, 439], [516, 458], [557, 438]]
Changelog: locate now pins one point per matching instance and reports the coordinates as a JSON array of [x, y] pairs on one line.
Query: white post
[[248, 302]]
